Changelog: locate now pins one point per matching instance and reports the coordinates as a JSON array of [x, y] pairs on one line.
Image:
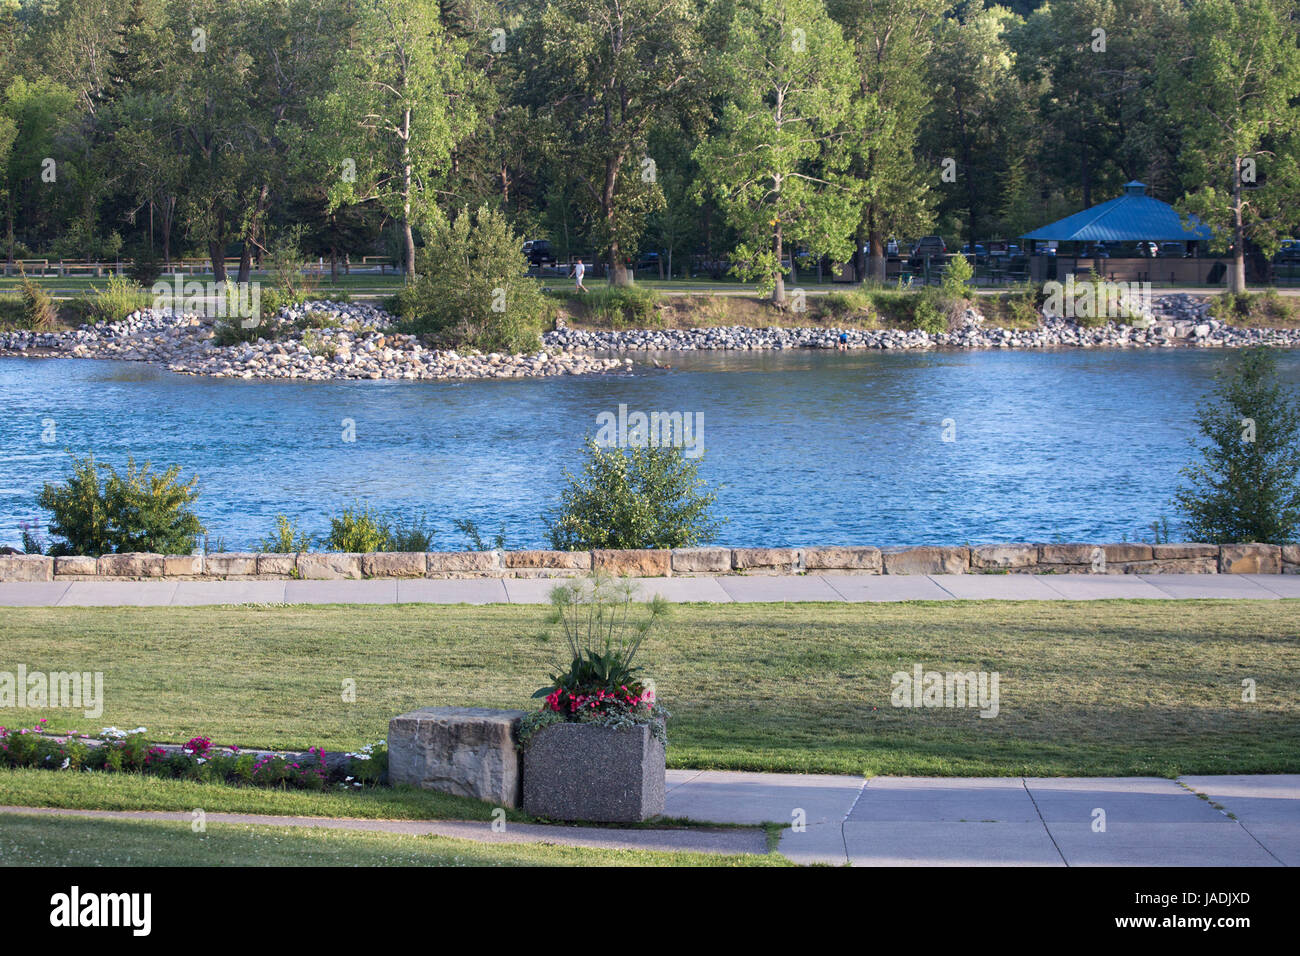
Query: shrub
[[1246, 487], [619, 306], [117, 300], [358, 530], [929, 313], [475, 540], [634, 498], [286, 539], [955, 283], [409, 534], [473, 289], [145, 268], [39, 311], [135, 511]]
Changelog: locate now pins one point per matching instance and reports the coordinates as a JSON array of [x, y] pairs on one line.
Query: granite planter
[[598, 774]]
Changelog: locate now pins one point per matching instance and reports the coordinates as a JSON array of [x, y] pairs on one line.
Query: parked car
[[1289, 251], [1148, 249], [538, 252], [891, 247], [1174, 250], [929, 246]]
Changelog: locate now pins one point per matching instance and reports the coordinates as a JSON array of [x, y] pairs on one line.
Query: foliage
[[117, 751], [1247, 487], [39, 311], [134, 511], [117, 300], [474, 538], [620, 306], [473, 288], [360, 529], [633, 498], [776, 168], [603, 633], [286, 539]]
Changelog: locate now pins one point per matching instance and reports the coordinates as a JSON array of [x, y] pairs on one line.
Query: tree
[[600, 75], [1247, 488], [1234, 84], [892, 43], [777, 162], [641, 497], [401, 99], [980, 116], [36, 110]]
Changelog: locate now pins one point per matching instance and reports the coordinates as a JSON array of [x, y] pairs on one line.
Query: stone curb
[[1017, 558]]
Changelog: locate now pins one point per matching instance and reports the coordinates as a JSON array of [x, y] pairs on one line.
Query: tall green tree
[[777, 161], [892, 43], [599, 75], [1234, 84], [401, 99], [1247, 485]]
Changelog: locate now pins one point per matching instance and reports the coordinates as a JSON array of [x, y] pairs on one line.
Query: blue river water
[[801, 447]]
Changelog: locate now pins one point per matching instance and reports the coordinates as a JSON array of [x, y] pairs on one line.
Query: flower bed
[[118, 751]]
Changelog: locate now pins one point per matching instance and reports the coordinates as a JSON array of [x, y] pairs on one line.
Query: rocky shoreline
[[317, 341], [330, 341], [1176, 321]]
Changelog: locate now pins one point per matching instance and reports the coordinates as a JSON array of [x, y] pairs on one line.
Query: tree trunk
[[245, 263], [778, 288], [408, 235], [217, 253], [1237, 274]]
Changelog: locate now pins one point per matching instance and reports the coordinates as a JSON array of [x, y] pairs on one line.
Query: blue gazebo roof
[[1130, 217]]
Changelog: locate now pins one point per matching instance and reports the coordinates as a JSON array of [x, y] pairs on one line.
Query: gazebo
[[1131, 217]]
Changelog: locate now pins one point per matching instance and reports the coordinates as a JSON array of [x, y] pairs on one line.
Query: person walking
[[579, 270]]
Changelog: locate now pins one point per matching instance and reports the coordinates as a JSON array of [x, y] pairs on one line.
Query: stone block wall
[[1022, 558]]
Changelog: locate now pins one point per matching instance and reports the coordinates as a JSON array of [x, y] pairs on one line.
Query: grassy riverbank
[[1085, 688]]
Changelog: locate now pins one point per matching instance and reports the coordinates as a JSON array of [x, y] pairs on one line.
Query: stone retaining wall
[[684, 562]]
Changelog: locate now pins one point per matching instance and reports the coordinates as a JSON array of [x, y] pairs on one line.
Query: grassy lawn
[[1086, 688], [32, 840]]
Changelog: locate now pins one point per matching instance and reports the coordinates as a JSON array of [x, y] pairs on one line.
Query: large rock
[[636, 563], [701, 560], [232, 564], [1184, 551], [773, 560], [1007, 557], [1250, 559], [836, 558], [1290, 559], [561, 560], [26, 567], [394, 564], [467, 751], [277, 565], [130, 565], [75, 566], [328, 565], [598, 774], [927, 560], [1076, 554], [462, 562]]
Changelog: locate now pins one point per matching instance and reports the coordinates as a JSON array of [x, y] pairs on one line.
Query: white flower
[[66, 761]]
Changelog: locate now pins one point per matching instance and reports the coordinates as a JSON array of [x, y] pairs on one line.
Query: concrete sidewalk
[[914, 821], [1008, 821], [845, 588]]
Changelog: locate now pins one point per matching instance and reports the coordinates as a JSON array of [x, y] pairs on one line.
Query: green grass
[[36, 840], [127, 791], [1086, 688]]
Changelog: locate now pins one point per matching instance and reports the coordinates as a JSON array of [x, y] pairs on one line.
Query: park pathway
[[722, 589], [914, 821]]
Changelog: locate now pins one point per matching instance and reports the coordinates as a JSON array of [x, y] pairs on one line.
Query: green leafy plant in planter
[[603, 630]]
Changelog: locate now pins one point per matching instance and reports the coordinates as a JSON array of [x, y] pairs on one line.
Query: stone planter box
[[597, 774]]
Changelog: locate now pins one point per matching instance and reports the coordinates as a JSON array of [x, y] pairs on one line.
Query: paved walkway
[[919, 821], [844, 588]]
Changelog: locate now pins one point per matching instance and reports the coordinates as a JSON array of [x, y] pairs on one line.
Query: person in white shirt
[[579, 270]]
